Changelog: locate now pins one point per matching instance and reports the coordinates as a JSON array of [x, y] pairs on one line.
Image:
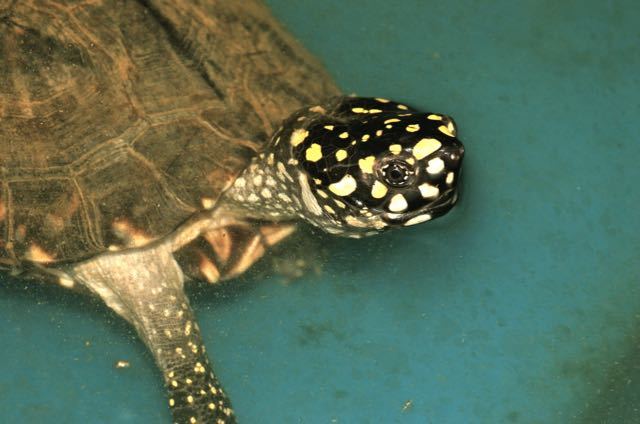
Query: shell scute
[[134, 114]]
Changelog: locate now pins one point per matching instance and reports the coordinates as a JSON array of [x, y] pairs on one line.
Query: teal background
[[521, 306]]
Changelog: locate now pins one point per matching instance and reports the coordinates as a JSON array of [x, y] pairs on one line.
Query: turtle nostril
[[454, 153]]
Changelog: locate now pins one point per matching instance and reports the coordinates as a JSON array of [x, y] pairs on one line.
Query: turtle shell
[[120, 119]]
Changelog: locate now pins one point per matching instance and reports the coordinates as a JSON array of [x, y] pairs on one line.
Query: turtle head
[[365, 165]]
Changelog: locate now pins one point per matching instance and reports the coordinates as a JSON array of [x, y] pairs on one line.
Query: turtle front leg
[[145, 286], [195, 395]]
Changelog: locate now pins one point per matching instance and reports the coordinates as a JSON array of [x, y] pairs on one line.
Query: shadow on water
[[618, 400]]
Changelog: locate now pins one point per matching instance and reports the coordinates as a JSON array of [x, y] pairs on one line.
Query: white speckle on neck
[[265, 193], [309, 200]]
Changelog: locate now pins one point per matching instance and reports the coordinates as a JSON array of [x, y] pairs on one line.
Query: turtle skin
[[121, 123]]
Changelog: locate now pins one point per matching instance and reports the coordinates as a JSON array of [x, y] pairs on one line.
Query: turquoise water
[[521, 306]]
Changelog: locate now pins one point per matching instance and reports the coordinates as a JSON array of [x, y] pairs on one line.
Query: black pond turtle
[[147, 142]]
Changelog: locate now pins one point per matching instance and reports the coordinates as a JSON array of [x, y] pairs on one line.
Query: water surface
[[521, 306]]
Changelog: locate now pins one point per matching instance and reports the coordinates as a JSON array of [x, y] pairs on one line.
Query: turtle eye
[[397, 173]]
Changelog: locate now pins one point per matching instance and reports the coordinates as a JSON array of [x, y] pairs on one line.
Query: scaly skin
[[145, 286]]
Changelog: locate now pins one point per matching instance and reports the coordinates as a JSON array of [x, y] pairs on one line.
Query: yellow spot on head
[[341, 155], [392, 120], [378, 190], [381, 100], [435, 166], [328, 127], [378, 133], [395, 149], [450, 177], [398, 203], [402, 107], [344, 135], [425, 147], [365, 137], [298, 136], [427, 190], [358, 110], [314, 153], [444, 129], [366, 164], [374, 111], [434, 117], [345, 186], [413, 128], [452, 128]]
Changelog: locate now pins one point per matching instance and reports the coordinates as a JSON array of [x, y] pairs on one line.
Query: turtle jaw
[[435, 209]]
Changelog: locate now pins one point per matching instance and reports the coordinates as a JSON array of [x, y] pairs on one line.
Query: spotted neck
[[275, 188], [266, 190]]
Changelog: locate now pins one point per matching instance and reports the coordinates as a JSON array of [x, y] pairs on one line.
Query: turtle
[[147, 144]]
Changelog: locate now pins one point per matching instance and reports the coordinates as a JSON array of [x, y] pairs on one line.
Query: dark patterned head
[[364, 165]]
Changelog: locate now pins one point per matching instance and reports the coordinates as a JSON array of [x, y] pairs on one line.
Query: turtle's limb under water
[[145, 286]]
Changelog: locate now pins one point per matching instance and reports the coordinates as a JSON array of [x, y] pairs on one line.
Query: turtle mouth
[[433, 210]]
